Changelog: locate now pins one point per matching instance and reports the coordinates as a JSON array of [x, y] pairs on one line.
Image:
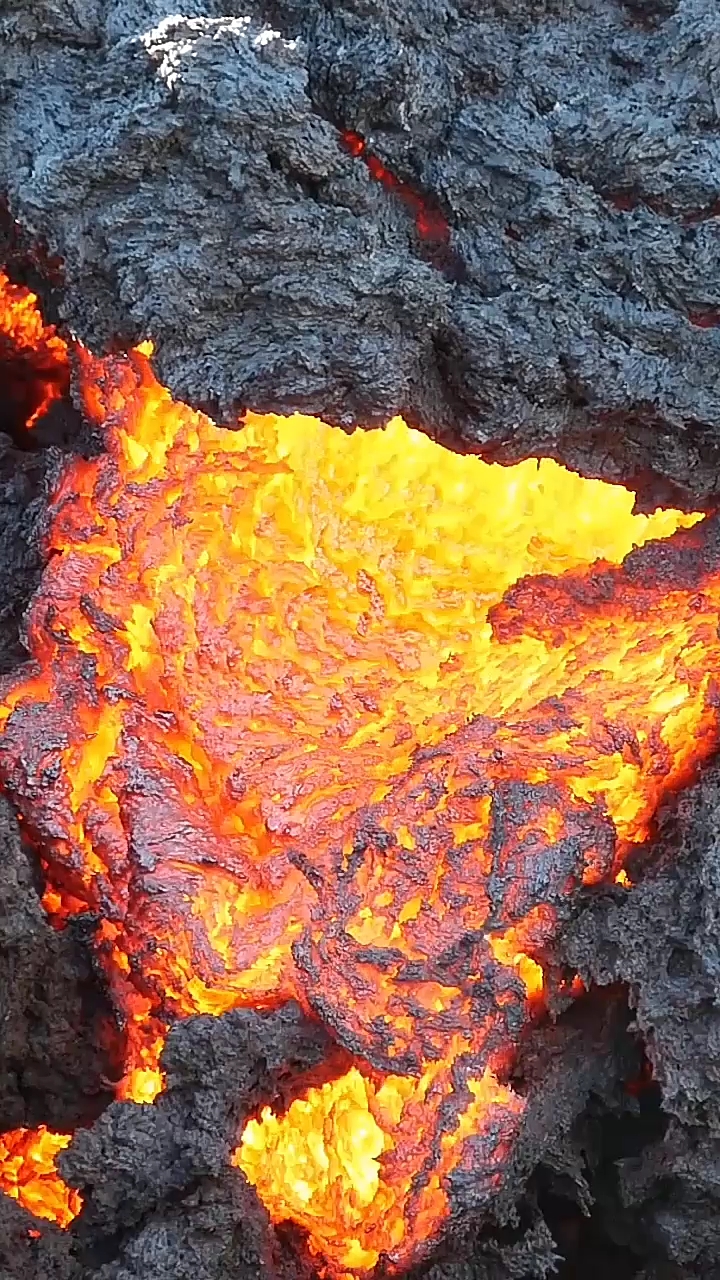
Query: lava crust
[[570, 148]]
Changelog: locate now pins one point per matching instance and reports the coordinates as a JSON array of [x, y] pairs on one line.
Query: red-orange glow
[[337, 1160], [34, 358], [430, 221], [349, 719], [29, 1174]]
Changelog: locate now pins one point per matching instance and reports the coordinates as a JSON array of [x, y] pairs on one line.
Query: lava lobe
[[350, 720]]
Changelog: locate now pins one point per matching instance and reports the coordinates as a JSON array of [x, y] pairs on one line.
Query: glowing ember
[[28, 1173], [33, 358], [350, 719]]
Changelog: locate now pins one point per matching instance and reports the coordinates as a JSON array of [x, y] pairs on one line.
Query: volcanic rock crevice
[[190, 172], [673, 973], [162, 1202]]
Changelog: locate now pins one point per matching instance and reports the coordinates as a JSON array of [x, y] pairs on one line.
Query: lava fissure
[[353, 721], [431, 223]]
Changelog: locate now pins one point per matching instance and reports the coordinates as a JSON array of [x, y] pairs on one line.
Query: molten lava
[[353, 720], [34, 366], [28, 1173]]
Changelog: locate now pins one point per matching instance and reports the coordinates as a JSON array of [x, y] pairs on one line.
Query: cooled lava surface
[[353, 720]]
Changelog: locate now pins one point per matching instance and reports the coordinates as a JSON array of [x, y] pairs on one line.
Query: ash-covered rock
[[30, 1250], [190, 171], [25, 481], [52, 1068], [217, 1231]]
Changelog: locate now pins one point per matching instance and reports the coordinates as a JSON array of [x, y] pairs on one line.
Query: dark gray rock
[[52, 1070], [662, 939], [161, 1200], [190, 171], [43, 1255], [25, 480]]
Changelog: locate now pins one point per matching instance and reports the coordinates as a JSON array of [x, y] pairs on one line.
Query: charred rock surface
[[25, 480], [161, 1198], [191, 173], [662, 939], [51, 1067], [30, 1253]]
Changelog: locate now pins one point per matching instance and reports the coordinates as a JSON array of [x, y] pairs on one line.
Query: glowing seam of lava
[[27, 341], [349, 719], [28, 1173]]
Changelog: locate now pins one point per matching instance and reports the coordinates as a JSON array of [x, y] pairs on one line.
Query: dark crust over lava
[[191, 174]]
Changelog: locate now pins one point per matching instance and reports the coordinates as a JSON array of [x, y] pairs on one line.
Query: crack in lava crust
[[353, 720], [34, 366]]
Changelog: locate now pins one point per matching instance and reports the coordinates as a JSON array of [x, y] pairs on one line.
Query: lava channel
[[353, 720]]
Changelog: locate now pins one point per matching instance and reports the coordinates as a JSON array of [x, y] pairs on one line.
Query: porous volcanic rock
[[663, 940], [191, 173], [30, 1250], [161, 1198], [52, 1068]]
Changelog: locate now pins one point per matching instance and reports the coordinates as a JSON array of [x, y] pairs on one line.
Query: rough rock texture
[[663, 938], [51, 1068], [191, 173], [161, 1200], [25, 480], [44, 1255]]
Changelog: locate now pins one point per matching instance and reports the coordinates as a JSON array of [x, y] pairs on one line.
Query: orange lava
[[350, 1139], [350, 719], [28, 1173], [34, 365]]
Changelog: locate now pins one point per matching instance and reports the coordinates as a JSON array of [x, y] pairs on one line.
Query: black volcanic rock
[[190, 171], [138, 1164], [51, 1066], [43, 1255], [662, 938], [25, 481]]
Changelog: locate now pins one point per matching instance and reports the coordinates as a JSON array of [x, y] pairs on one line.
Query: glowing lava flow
[[28, 1173], [350, 719], [34, 367]]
